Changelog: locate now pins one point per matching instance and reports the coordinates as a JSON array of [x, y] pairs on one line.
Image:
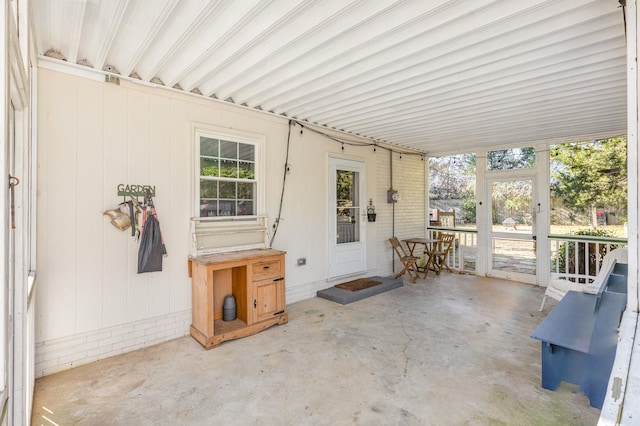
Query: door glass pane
[[511, 209], [347, 209]]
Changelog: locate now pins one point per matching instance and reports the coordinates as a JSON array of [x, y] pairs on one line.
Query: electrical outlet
[[302, 261]]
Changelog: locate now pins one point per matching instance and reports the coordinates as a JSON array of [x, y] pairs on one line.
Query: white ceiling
[[433, 75]]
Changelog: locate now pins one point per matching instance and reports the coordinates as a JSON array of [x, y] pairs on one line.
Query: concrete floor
[[451, 350]]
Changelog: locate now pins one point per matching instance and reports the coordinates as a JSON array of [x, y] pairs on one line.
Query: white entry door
[[6, 301], [512, 228], [347, 251]]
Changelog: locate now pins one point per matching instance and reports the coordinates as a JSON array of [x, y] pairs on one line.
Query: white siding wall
[[94, 136]]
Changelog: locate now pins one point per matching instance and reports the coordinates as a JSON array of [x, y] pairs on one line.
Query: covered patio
[[290, 120], [452, 349]]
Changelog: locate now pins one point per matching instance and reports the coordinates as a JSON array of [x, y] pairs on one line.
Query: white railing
[[578, 257], [574, 257], [464, 252]]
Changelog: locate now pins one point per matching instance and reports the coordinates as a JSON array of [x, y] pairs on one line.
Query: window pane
[[228, 190], [226, 208], [208, 147], [247, 152], [208, 188], [509, 159], [246, 170], [245, 191], [452, 191], [227, 177], [208, 208], [245, 207], [229, 150], [208, 167], [229, 168]]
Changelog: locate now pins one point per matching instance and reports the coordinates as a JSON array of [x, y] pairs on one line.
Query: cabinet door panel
[[269, 298]]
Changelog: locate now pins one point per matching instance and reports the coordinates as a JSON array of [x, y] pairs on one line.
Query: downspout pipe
[[393, 210]]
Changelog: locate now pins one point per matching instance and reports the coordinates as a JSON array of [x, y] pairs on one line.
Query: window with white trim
[[228, 178]]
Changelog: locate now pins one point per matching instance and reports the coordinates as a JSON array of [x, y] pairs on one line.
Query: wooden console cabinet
[[256, 279]]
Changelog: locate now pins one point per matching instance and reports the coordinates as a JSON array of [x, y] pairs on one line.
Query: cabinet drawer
[[268, 269]]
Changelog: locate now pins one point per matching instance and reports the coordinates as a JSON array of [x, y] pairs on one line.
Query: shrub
[[468, 206]]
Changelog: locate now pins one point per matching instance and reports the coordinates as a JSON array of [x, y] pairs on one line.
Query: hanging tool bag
[[152, 248]]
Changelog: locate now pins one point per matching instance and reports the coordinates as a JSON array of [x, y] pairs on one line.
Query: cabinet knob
[[265, 267], [278, 279], [255, 303]]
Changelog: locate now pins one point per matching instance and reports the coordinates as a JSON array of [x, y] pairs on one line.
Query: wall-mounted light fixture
[[371, 211]]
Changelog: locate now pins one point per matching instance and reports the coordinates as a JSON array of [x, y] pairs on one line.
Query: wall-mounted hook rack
[[136, 190]]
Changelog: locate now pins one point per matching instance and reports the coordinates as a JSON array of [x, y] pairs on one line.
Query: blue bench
[[579, 337]]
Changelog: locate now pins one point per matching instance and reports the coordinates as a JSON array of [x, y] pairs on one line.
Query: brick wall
[[67, 352], [409, 212]]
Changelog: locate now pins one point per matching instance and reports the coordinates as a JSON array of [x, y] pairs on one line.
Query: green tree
[[469, 209], [511, 199], [452, 177], [590, 174], [512, 158]]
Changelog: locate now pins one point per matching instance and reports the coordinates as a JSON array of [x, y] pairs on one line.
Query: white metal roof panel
[[428, 75]]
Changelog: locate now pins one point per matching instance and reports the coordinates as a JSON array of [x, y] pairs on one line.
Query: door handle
[[13, 182]]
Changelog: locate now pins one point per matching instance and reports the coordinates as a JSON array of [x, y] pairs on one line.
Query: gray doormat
[[345, 297]]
